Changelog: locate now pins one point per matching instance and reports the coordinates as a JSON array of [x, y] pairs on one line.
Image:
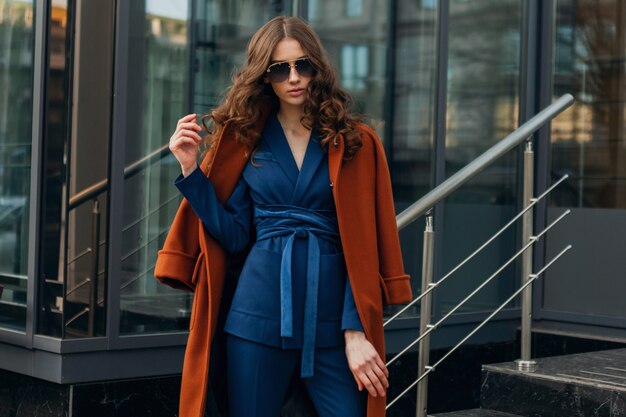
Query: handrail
[[434, 285], [433, 327], [519, 135], [150, 213], [430, 369], [100, 186], [136, 277], [138, 248]]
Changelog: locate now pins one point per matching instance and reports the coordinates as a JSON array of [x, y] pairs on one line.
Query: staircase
[[591, 384], [478, 412]]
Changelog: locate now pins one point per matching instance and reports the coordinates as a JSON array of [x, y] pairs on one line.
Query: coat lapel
[[230, 159]]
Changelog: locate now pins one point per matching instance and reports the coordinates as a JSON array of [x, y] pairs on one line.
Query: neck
[[290, 116]]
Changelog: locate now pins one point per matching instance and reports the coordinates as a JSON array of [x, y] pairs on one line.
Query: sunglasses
[[279, 71]]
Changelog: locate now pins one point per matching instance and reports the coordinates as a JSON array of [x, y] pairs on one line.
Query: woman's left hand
[[367, 367]]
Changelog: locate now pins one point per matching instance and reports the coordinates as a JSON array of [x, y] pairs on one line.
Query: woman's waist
[[277, 244], [286, 218]]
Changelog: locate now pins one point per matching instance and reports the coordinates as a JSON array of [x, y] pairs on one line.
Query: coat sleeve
[[179, 260], [395, 282]]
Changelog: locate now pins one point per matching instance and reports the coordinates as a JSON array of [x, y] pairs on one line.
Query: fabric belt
[[298, 222]]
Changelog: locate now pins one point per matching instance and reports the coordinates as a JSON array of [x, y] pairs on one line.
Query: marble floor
[[477, 412], [589, 384], [599, 369]]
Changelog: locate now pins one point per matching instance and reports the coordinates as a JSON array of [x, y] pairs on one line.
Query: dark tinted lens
[[304, 67], [278, 72]]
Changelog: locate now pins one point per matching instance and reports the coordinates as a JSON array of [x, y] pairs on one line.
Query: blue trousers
[[259, 376]]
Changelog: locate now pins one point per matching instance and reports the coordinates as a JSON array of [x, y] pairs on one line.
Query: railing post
[[425, 314], [95, 246], [526, 363]]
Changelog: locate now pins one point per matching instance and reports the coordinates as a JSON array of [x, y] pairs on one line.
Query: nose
[[294, 76]]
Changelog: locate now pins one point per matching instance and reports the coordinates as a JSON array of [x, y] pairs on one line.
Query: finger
[[382, 366], [376, 382], [381, 376], [356, 378], [368, 384], [190, 125], [187, 118], [190, 134]]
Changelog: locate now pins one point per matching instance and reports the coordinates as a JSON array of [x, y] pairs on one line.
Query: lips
[[295, 92]]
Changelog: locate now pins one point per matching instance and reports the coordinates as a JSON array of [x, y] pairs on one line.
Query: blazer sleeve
[[394, 281], [229, 224], [350, 316]]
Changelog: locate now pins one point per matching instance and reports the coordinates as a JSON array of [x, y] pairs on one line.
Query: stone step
[[579, 385], [476, 412]]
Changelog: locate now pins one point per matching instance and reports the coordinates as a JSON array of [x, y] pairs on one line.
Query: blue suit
[[293, 292]]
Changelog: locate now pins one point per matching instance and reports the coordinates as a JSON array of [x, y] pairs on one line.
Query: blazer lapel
[[312, 159], [335, 157], [274, 136]]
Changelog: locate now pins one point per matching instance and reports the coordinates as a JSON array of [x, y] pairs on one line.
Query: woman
[[319, 259]]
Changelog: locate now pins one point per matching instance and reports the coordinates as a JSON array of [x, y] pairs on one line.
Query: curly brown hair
[[327, 105]]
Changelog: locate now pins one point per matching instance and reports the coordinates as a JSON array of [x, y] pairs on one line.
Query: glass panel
[[482, 108], [412, 116], [589, 144], [589, 140], [223, 31], [357, 47], [89, 150], [157, 72], [54, 313], [16, 109]]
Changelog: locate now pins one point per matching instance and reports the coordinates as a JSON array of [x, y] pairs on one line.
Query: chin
[[290, 101]]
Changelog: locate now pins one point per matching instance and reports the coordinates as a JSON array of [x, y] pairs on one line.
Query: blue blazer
[[293, 291]]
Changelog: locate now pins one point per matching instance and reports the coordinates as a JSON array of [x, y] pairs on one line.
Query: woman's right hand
[[184, 143]]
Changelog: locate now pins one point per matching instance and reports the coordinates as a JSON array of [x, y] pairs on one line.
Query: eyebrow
[[286, 60]]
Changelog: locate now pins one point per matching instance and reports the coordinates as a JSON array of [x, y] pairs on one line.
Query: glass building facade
[[90, 92]]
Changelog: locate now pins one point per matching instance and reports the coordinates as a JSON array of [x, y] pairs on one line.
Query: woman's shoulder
[[369, 138]]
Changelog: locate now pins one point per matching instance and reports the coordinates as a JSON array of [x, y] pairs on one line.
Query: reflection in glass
[[589, 144], [16, 108], [357, 47], [482, 108], [157, 71], [589, 140], [223, 31], [412, 119], [414, 101]]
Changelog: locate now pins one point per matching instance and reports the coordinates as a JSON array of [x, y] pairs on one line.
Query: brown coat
[[191, 259]]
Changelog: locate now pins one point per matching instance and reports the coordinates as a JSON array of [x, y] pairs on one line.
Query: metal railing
[[425, 206], [92, 193]]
